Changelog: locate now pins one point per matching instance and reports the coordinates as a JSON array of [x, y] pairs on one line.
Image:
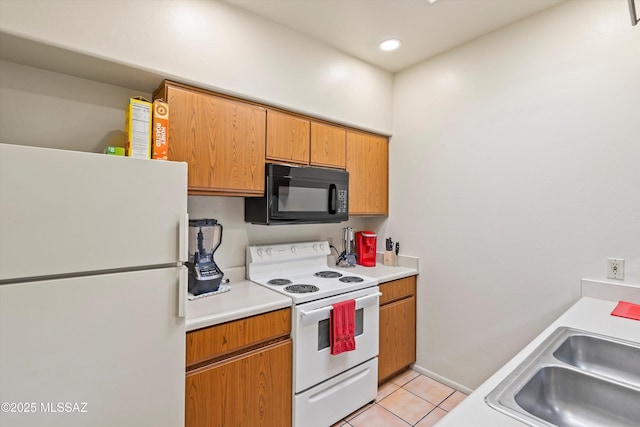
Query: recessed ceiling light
[[390, 44]]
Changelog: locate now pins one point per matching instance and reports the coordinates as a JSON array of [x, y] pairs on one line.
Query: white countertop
[[588, 314], [407, 266], [248, 299], [244, 299]]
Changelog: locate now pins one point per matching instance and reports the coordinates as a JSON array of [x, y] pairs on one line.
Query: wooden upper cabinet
[[287, 138], [328, 145], [368, 166], [221, 139]]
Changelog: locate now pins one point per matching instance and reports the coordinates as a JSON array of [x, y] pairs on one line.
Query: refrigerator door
[[106, 350], [66, 212]]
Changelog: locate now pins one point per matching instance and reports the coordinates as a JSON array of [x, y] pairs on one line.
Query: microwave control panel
[[342, 201]]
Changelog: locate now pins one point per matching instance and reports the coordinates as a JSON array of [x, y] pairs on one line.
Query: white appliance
[[326, 387], [92, 289]]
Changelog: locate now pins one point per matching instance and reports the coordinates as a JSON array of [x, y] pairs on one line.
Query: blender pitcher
[[205, 236]]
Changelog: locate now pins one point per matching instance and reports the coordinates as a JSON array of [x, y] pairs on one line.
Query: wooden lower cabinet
[[249, 390], [397, 327], [239, 373]]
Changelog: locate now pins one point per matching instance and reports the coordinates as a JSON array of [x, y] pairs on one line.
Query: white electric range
[[300, 271], [326, 387]]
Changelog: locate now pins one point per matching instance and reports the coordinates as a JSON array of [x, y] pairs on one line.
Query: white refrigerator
[[92, 289]]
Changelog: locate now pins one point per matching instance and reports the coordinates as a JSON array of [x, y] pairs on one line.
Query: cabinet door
[[397, 337], [250, 390], [367, 164], [287, 138], [222, 140], [328, 145]]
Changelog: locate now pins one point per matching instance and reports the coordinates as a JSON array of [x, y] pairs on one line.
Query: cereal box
[[138, 128], [160, 131]]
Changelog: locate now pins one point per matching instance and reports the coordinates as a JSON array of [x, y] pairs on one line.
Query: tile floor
[[409, 399]]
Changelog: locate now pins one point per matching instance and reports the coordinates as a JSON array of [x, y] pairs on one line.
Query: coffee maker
[[366, 248], [205, 236]]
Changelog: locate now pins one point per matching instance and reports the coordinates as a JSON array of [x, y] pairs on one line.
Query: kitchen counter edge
[[245, 299]]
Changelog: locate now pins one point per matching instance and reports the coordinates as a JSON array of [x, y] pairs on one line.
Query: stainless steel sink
[[574, 378], [565, 397], [601, 356]]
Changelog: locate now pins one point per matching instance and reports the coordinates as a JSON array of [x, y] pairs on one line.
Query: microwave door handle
[[333, 199]]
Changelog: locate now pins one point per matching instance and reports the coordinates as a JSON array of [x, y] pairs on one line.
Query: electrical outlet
[[615, 268]]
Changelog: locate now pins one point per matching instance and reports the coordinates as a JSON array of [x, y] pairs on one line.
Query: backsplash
[[610, 291], [237, 234]]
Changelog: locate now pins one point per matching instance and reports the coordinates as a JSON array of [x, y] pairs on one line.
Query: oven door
[[312, 359], [308, 195]]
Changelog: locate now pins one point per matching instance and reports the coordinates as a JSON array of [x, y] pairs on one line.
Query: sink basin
[[601, 356], [565, 397], [574, 379]]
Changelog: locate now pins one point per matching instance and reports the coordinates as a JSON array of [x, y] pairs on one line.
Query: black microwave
[[300, 195]]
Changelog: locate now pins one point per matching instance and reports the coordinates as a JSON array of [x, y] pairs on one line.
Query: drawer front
[[220, 340], [397, 289]]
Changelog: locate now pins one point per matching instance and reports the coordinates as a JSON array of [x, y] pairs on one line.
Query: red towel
[[342, 326], [627, 309]]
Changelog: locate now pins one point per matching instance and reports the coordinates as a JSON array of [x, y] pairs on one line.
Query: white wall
[[213, 45], [514, 173]]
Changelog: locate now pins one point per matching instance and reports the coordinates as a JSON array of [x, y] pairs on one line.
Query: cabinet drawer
[[397, 289], [250, 390], [220, 340]]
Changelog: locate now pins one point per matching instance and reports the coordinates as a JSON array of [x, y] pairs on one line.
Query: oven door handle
[[367, 300], [312, 316]]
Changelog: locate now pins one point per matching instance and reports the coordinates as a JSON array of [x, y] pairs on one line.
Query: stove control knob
[[260, 252], [269, 251], [316, 247], [322, 246], [294, 249]]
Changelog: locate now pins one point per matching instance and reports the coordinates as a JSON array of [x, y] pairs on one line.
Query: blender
[[205, 235]]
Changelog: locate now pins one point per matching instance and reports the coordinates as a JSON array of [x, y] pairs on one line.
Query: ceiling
[[426, 29]]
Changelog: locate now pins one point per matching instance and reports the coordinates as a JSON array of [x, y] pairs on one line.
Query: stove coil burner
[[328, 274], [301, 289], [351, 279], [279, 282]]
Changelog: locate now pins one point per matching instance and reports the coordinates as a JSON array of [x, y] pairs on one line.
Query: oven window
[[323, 329], [302, 199]]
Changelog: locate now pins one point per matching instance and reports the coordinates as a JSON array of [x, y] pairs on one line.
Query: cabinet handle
[[333, 199]]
